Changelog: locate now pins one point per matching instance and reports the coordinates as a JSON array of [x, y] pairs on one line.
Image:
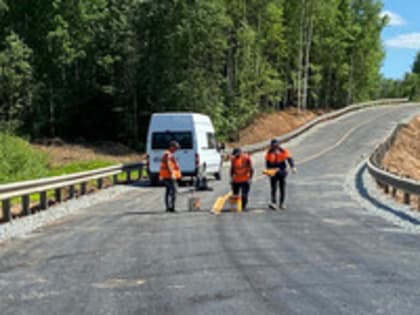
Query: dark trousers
[[280, 182], [170, 193], [244, 189]]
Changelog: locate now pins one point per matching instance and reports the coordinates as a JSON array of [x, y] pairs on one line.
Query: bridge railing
[[392, 183], [24, 190]]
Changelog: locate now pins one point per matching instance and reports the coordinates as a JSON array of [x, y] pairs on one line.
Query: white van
[[195, 133]]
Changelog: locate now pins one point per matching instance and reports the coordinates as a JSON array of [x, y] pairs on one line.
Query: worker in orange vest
[[277, 158], [241, 173], [170, 173]]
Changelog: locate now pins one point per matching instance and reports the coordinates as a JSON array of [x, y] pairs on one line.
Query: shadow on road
[[365, 194]]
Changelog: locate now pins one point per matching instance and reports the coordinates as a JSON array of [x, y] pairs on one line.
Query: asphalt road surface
[[324, 255]]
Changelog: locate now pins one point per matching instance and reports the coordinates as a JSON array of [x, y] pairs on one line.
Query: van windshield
[[160, 140]]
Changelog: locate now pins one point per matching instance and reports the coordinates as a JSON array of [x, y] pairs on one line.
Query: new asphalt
[[326, 254]]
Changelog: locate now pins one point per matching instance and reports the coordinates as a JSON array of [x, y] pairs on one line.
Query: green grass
[[18, 161], [76, 167]]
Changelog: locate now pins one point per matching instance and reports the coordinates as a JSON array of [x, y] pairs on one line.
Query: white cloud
[[411, 41], [394, 18]]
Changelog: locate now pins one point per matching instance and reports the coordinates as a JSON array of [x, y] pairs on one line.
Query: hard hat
[[236, 151], [274, 142]]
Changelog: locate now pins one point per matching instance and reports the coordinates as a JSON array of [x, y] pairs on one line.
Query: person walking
[[276, 159], [241, 173], [170, 173]]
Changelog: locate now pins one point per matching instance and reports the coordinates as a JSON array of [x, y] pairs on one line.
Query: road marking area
[[220, 202], [341, 140]]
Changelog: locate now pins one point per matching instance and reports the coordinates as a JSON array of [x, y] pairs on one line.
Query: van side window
[[160, 140], [211, 141]]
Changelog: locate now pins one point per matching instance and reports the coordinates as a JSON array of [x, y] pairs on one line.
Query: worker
[[241, 173], [170, 173], [277, 159]]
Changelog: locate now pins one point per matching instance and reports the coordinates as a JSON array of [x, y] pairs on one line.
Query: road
[[324, 255]]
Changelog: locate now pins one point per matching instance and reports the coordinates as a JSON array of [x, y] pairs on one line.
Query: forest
[[409, 86], [97, 69]]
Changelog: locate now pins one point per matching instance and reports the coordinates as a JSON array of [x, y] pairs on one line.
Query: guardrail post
[[129, 176], [100, 183], [71, 191], [407, 198], [394, 191], [7, 215], [83, 189], [386, 188], [115, 179], [26, 208], [43, 200], [57, 194]]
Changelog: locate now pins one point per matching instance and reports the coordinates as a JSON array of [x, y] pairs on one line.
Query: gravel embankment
[[21, 226], [363, 188]]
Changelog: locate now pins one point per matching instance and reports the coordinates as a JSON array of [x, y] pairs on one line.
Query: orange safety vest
[[165, 173], [277, 156], [241, 168]]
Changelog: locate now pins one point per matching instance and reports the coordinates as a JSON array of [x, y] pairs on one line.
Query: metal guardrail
[[293, 134], [24, 190], [388, 181]]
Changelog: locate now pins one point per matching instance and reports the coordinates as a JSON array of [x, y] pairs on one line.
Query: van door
[[185, 155], [210, 153]]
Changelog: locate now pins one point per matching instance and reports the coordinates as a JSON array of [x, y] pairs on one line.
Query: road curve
[[324, 255]]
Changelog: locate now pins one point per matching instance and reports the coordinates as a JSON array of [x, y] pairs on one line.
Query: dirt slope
[[272, 125], [404, 156], [64, 153]]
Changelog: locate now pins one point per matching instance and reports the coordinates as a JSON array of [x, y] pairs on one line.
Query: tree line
[[408, 86], [98, 68]]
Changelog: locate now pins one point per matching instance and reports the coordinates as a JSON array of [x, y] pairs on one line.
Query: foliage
[[409, 86], [76, 167], [15, 80], [18, 161], [97, 69], [416, 64]]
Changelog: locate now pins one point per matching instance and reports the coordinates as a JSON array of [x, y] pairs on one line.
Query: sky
[[401, 37]]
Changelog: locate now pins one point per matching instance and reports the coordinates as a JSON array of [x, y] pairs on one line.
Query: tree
[[15, 80], [99, 68], [3, 6], [416, 64]]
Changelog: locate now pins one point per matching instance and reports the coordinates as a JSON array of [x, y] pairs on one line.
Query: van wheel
[[154, 180], [218, 175]]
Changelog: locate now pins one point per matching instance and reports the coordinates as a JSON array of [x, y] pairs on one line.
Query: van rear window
[[160, 140]]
